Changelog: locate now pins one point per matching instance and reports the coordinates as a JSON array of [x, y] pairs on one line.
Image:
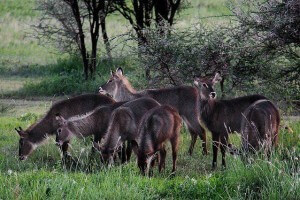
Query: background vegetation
[[33, 74]]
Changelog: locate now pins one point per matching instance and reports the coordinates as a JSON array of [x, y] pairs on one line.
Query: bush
[[257, 54]]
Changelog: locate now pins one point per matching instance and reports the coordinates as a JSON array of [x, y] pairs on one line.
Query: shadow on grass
[[63, 78], [61, 66]]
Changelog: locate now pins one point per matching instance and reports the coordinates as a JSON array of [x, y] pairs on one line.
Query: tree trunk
[[93, 58], [76, 13], [222, 88], [105, 37], [174, 8], [94, 19]]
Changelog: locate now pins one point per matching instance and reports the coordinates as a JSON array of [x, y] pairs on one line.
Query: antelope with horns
[[184, 99], [221, 117]]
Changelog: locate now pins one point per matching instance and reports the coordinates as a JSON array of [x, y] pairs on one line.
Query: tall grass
[[44, 176]]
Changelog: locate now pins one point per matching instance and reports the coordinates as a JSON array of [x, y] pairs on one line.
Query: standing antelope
[[158, 125], [123, 125], [93, 123], [221, 117], [38, 132], [184, 99], [260, 126]]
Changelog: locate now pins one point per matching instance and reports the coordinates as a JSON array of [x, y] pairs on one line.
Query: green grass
[[44, 176], [17, 8]]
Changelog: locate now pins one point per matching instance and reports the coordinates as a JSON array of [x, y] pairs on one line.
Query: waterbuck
[[184, 99], [260, 127], [158, 125], [93, 123], [221, 117], [123, 125], [38, 132]]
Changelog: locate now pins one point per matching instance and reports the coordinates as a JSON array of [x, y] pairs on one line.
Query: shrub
[[259, 53]]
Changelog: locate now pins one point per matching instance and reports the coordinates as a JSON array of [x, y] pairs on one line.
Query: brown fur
[[157, 126], [39, 131], [221, 117], [123, 125], [94, 123], [260, 127], [184, 99]]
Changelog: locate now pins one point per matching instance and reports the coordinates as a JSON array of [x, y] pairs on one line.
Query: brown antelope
[[93, 123], [221, 117], [38, 132], [260, 127], [184, 99], [157, 126], [123, 125]]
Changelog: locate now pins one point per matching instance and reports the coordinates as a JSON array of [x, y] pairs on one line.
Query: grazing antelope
[[157, 126], [123, 125], [221, 117], [184, 99], [93, 123], [260, 127], [38, 132]]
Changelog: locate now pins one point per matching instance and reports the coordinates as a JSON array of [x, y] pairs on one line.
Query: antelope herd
[[123, 120]]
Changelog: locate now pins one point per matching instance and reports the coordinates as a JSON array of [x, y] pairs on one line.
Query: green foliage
[[259, 53], [245, 62]]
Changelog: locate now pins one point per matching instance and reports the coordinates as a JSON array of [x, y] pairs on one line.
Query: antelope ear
[[18, 131], [59, 118], [217, 78], [196, 81], [119, 71], [21, 132], [112, 72]]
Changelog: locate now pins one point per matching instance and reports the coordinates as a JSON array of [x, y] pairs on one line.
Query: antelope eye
[[59, 130], [205, 85], [109, 81]]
